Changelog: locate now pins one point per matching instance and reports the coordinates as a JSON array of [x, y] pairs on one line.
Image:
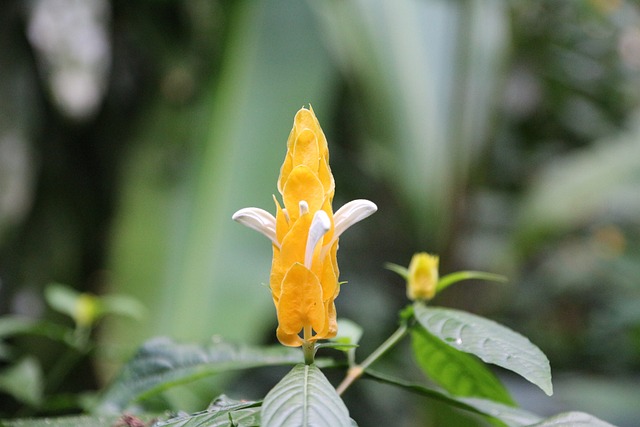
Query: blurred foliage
[[502, 135], [39, 383]]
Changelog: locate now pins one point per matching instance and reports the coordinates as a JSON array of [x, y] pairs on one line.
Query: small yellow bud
[[423, 277], [86, 310]]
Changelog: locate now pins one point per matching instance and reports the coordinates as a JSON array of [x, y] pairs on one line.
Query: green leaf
[[337, 346], [459, 373], [458, 276], [222, 412], [62, 298], [304, 397], [122, 305], [572, 419], [85, 309], [398, 269], [73, 421], [162, 363], [508, 415], [490, 341], [15, 325], [23, 381], [349, 334]]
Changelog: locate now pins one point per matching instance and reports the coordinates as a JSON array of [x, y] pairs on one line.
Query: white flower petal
[[350, 213], [258, 219], [320, 224]]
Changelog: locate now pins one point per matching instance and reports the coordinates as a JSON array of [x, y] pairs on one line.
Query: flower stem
[[356, 371], [308, 347]]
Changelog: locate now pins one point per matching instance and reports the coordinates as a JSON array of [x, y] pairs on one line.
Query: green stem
[[356, 371], [308, 347]]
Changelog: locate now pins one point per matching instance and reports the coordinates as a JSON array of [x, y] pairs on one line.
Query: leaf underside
[[573, 419], [222, 412], [304, 397], [162, 363], [71, 421], [490, 341]]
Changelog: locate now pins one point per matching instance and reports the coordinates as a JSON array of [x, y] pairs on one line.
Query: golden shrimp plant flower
[[304, 236]]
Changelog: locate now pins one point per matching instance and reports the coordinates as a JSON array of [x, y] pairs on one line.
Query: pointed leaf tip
[[490, 341]]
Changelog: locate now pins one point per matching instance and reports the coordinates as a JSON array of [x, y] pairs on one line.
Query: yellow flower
[[304, 235], [422, 277]]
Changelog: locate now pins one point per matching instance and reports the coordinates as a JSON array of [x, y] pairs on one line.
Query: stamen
[[259, 220], [320, 224], [304, 207]]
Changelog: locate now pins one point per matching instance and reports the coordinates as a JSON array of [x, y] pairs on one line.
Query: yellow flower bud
[[86, 310], [423, 277]]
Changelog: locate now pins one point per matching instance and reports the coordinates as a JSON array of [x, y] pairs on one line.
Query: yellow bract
[[423, 277], [303, 292], [304, 235]]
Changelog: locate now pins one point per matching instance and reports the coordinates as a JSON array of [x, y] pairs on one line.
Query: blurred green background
[[502, 135]]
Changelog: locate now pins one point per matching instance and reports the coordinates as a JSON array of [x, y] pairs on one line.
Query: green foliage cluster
[[447, 345], [30, 379]]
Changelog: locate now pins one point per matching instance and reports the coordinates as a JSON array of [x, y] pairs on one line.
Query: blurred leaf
[[349, 332], [81, 307], [62, 299], [572, 419], [490, 341], [459, 373], [73, 421], [579, 188], [398, 269], [162, 363], [507, 414], [5, 351], [337, 346], [610, 397], [428, 92], [304, 397], [14, 325], [23, 381], [222, 412], [122, 305], [458, 276], [85, 309]]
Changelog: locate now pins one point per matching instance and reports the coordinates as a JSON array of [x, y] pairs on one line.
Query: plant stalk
[[356, 371], [308, 347]]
